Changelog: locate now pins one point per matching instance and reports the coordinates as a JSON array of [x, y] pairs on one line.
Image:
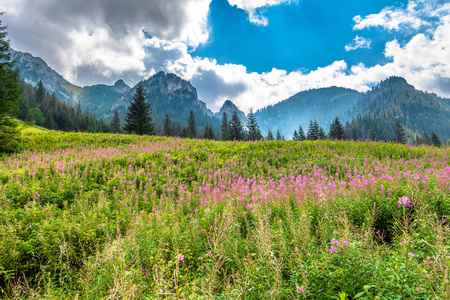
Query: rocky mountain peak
[[120, 86]]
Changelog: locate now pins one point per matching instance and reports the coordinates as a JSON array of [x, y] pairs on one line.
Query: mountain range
[[375, 110]]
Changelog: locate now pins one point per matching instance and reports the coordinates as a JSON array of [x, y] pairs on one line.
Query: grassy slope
[[121, 216]]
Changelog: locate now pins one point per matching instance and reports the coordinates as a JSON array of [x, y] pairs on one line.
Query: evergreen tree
[[313, 131], [337, 131], [400, 136], [426, 139], [278, 135], [435, 139], [235, 128], [209, 133], [301, 134], [270, 135], [167, 126], [138, 118], [321, 133], [254, 133], [295, 137], [355, 134], [40, 93], [373, 136], [115, 123], [225, 130], [192, 131], [10, 95], [35, 115]]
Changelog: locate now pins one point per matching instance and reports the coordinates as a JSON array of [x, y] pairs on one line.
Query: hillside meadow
[[103, 216]]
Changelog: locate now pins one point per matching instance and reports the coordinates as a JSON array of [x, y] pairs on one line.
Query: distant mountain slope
[[393, 98], [34, 69], [322, 104], [168, 94], [229, 107]]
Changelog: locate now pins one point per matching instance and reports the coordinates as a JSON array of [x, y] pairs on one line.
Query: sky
[[253, 52]]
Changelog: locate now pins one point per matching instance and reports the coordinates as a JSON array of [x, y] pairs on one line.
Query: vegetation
[[123, 216], [9, 95], [138, 119]]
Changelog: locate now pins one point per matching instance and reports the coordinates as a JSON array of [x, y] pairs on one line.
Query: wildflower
[[181, 258], [300, 289], [404, 201], [332, 249]]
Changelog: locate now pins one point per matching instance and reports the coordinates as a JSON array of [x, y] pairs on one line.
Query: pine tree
[[235, 128], [192, 131], [254, 133], [435, 139], [270, 135], [373, 136], [115, 123], [313, 131], [278, 135], [209, 133], [225, 130], [167, 126], [355, 134], [426, 139], [337, 131], [138, 118], [301, 134], [40, 93], [295, 137], [400, 136], [10, 95], [321, 133]]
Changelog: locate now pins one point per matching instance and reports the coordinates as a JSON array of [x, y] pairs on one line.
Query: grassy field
[[98, 216]]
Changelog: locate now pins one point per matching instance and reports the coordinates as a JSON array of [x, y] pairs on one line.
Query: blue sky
[[303, 35], [253, 52]]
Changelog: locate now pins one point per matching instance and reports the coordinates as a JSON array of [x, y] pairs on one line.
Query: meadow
[[103, 216]]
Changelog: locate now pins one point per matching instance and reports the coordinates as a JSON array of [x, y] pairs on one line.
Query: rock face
[[120, 87], [229, 108], [34, 69]]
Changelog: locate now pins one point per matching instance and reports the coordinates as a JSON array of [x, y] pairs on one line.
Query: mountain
[[228, 107], [168, 94], [322, 105], [97, 98], [393, 98], [34, 69]]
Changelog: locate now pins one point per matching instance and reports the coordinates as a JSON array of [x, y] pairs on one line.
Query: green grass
[[103, 216]]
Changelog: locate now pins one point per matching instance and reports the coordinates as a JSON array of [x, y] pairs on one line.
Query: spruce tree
[[301, 134], [115, 123], [355, 134], [138, 119], [337, 131], [167, 126], [10, 95], [373, 136], [295, 137], [225, 130], [426, 139], [321, 133], [269, 135], [278, 135], [313, 131], [209, 133], [435, 139], [192, 131], [40, 94], [254, 133], [400, 135], [235, 128]]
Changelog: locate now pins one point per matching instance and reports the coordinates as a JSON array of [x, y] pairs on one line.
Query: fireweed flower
[[404, 201], [300, 289], [181, 258], [332, 249]]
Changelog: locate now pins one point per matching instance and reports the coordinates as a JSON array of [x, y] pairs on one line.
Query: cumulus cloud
[[253, 8], [103, 35], [358, 43]]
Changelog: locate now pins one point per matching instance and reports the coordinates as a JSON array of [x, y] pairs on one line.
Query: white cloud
[[358, 43], [252, 7]]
